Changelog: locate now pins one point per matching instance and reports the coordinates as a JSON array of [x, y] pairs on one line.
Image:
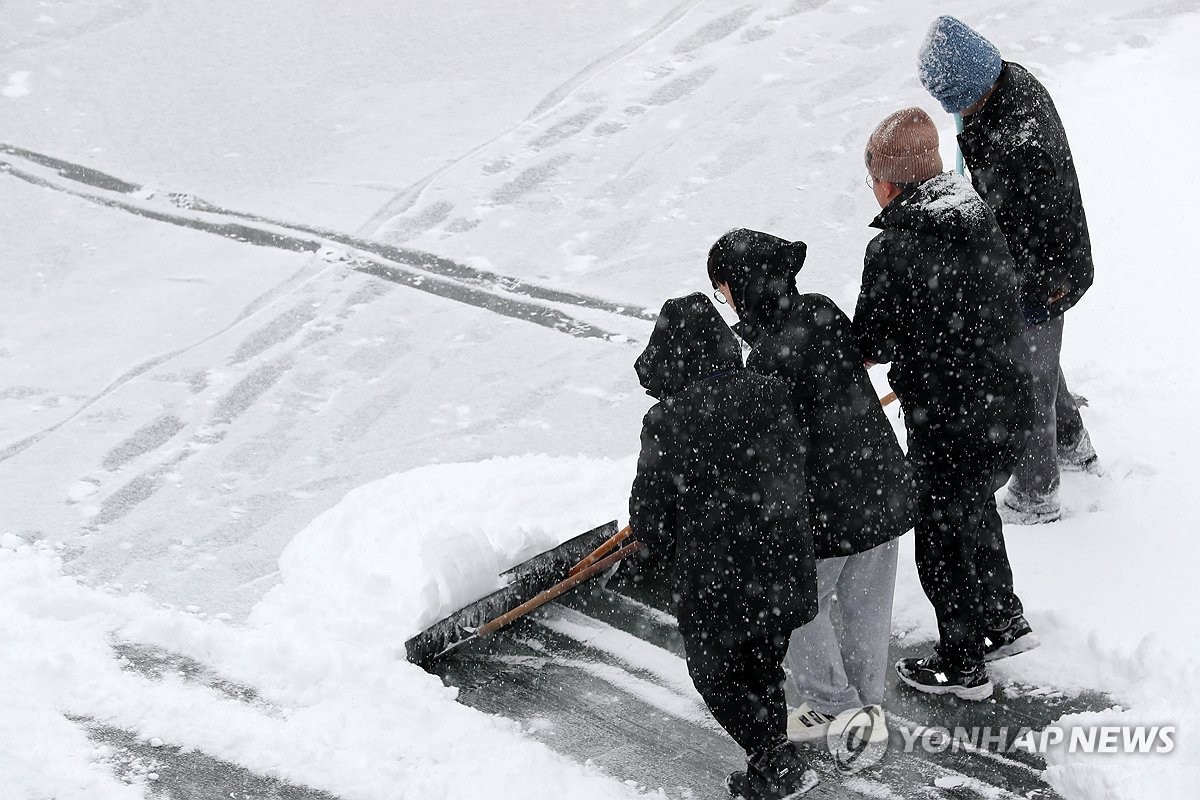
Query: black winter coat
[[720, 481], [940, 300], [1021, 165], [860, 488]]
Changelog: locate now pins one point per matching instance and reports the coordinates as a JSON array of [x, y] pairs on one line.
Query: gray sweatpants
[[1056, 423], [839, 667]]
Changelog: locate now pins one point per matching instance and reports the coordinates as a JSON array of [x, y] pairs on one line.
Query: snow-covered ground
[[197, 434]]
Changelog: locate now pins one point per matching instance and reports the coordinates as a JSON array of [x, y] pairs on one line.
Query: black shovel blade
[[525, 581]]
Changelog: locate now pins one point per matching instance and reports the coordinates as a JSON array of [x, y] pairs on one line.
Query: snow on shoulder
[[955, 195], [396, 555]]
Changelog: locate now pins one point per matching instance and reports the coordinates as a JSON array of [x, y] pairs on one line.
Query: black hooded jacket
[[940, 301], [1022, 167], [859, 482], [720, 480]]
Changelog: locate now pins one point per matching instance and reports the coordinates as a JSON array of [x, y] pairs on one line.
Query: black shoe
[[1013, 637], [779, 775], [933, 676], [738, 784]]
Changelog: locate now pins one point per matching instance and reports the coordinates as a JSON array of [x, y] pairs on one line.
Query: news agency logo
[[1126, 739], [860, 739], [857, 739]]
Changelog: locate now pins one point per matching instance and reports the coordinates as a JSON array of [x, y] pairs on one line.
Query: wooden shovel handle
[[609, 544], [558, 589], [887, 399]]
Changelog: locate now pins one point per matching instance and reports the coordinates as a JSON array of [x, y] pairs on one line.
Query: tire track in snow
[[437, 265], [379, 267], [259, 303], [409, 197]]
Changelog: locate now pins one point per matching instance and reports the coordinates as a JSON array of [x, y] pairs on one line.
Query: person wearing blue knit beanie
[[1014, 143], [957, 65]]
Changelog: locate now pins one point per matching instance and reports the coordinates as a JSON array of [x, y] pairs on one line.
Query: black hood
[[761, 272], [946, 204], [690, 342]]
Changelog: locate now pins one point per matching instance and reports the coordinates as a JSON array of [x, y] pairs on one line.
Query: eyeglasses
[[870, 182], [717, 293]]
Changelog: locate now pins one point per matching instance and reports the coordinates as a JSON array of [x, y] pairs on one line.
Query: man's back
[[1021, 165], [940, 301]]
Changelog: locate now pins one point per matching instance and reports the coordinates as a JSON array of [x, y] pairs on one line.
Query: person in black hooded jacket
[[859, 483], [939, 300], [720, 487]]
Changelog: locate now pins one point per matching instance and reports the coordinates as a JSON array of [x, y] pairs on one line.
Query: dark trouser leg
[[1036, 477], [961, 558], [1000, 603], [741, 681], [1066, 413]]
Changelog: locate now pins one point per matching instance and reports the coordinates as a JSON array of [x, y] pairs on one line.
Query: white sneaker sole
[[1016, 516], [1023, 645], [981, 692], [810, 782], [741, 788]]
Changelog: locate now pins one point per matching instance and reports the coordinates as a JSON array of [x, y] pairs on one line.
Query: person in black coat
[[859, 483], [939, 300], [1021, 164], [720, 488]]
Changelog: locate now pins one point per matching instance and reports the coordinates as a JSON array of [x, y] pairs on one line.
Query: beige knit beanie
[[904, 148]]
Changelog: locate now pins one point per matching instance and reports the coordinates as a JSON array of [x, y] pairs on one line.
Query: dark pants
[[741, 679], [1057, 423], [961, 559]]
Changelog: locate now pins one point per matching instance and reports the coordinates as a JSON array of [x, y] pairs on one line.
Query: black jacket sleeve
[[874, 319], [1034, 205], [653, 499]]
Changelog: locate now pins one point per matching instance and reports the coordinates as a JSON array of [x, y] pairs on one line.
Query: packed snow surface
[[279, 464]]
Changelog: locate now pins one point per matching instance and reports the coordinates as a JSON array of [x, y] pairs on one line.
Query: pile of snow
[[47, 640], [336, 708], [401, 553]]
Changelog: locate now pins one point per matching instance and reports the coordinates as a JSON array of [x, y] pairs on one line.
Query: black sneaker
[[932, 676], [1013, 637], [738, 784], [782, 775]]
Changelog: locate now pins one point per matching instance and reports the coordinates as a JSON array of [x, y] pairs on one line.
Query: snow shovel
[[555, 591], [530, 585], [601, 551]]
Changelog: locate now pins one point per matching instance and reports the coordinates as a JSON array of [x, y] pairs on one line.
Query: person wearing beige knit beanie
[[940, 301], [902, 151]]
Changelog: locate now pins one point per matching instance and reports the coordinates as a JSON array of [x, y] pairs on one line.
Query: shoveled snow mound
[[401, 553], [43, 642], [337, 707]]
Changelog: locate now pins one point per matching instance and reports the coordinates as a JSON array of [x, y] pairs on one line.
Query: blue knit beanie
[[957, 65]]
